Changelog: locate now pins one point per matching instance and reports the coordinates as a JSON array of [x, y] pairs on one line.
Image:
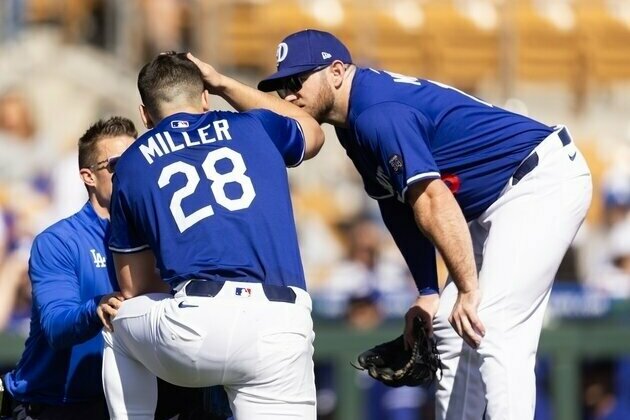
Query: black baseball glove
[[391, 364]]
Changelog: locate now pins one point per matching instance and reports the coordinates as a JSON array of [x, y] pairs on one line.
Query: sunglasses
[[293, 84], [109, 164]]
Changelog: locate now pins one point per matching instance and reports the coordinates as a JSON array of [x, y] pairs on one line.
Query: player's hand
[[464, 317], [212, 78], [425, 307], [108, 308]]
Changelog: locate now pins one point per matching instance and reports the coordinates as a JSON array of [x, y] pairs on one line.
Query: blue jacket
[[70, 270]]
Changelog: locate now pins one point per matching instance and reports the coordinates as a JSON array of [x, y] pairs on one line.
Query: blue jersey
[[209, 195], [403, 130], [69, 271]]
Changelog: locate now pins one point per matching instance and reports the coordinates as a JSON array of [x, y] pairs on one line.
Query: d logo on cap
[[282, 51]]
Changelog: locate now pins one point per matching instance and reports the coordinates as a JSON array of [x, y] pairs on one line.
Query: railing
[[565, 344]]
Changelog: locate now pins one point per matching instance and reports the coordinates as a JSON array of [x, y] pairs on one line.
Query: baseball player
[[204, 197], [499, 195]]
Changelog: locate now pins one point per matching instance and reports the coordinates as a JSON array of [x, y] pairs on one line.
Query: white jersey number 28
[[237, 174]]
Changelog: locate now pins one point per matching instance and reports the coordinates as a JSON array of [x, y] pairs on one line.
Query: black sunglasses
[[109, 164], [293, 84]]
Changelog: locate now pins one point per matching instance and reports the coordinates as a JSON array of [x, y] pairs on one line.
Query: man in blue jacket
[[59, 374]]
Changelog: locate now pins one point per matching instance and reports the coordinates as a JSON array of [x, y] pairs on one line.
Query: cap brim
[[273, 82]]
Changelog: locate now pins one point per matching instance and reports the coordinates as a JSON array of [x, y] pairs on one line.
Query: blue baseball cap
[[302, 52]]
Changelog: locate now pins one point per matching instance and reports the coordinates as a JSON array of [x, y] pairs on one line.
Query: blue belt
[[211, 288], [532, 160]]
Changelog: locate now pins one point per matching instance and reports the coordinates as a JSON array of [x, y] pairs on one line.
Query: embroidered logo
[[326, 55], [179, 124], [396, 163], [281, 52], [243, 291], [99, 260]]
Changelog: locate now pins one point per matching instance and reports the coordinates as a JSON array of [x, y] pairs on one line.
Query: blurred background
[[66, 63]]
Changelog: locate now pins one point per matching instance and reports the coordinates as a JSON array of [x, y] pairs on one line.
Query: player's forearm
[[245, 98], [440, 218], [137, 274], [65, 325], [416, 249]]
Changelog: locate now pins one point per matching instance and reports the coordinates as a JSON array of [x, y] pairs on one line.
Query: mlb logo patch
[[243, 291], [179, 124], [396, 163]]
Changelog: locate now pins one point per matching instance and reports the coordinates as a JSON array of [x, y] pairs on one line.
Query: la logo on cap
[[282, 51]]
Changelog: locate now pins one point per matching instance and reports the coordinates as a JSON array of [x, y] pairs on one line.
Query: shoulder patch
[[396, 163], [452, 181]]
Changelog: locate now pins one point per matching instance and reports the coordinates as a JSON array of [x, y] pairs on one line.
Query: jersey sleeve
[[397, 136], [416, 249], [65, 319], [285, 133], [124, 236]]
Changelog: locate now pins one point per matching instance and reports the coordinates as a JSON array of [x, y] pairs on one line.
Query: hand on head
[[212, 78]]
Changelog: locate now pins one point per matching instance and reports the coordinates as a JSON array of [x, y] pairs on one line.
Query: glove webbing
[[400, 373]]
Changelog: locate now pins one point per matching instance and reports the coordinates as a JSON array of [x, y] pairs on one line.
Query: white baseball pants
[[260, 351], [519, 243]]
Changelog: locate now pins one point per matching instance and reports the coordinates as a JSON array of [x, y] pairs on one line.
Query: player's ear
[[205, 100], [87, 176], [338, 71], [146, 118]]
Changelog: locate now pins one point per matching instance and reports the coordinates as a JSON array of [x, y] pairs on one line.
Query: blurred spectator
[[366, 269], [608, 243], [166, 25], [365, 281], [614, 275], [11, 18], [24, 165], [25, 153], [616, 195], [363, 312], [600, 397], [15, 294]]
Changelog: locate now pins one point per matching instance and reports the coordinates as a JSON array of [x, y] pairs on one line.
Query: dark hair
[[112, 127], [168, 76]]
